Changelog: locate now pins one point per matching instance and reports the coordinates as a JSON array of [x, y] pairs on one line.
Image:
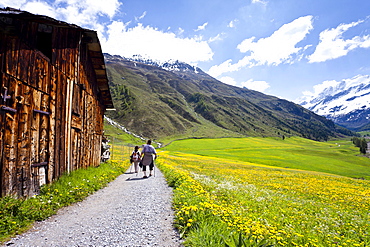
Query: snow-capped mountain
[[347, 102], [170, 65]]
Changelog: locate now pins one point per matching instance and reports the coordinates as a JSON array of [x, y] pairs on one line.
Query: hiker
[[135, 158], [148, 155]]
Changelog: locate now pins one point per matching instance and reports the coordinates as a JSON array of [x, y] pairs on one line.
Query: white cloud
[[12, 3], [180, 31], [279, 48], [141, 17], [320, 88], [93, 7], [218, 37], [263, 2], [40, 8], [116, 37], [332, 87], [228, 80], [84, 13], [232, 23], [260, 86], [332, 45], [153, 43], [220, 69], [202, 27]]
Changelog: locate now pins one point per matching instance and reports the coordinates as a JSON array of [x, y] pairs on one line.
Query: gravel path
[[130, 211]]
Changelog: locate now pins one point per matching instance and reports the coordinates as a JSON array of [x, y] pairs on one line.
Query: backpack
[[134, 156]]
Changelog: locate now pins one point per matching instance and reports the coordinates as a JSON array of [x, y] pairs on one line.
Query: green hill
[[164, 105]]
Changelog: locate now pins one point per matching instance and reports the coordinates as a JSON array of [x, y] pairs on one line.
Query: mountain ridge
[[347, 102], [159, 103]]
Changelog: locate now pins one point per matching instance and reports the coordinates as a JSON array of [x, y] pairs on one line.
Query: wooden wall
[[51, 116]]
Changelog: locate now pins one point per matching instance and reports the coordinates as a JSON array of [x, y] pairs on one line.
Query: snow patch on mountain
[[335, 98], [170, 65], [346, 102]]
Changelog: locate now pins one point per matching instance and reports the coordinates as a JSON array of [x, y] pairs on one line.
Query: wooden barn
[[54, 91]]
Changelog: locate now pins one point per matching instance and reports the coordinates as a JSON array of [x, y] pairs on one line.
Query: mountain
[[347, 103], [176, 100], [170, 65]]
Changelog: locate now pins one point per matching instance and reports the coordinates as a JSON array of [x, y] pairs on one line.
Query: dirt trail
[[130, 211]]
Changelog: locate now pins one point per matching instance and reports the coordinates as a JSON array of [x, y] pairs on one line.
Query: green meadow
[[339, 157], [235, 192]]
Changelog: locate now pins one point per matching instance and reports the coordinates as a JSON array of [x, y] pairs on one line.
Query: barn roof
[[90, 37]]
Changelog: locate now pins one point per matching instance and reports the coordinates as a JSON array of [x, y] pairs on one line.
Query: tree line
[[361, 143]]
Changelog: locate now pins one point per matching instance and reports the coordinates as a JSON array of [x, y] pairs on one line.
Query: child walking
[[136, 158]]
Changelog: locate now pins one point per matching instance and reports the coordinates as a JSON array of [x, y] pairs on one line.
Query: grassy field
[[336, 157], [269, 192]]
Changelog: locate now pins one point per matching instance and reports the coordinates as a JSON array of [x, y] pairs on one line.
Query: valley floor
[[130, 211]]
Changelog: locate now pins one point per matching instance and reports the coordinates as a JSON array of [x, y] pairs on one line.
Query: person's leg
[[151, 169], [144, 170], [136, 164]]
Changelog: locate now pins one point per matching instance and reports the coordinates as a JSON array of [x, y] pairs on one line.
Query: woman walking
[[147, 157]]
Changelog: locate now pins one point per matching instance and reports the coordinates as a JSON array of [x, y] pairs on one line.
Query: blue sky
[[286, 48]]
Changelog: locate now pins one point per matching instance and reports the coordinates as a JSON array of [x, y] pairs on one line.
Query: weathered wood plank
[[44, 128], [24, 63], [52, 125], [63, 127], [35, 137], [24, 139], [42, 73], [12, 56], [58, 123], [9, 161]]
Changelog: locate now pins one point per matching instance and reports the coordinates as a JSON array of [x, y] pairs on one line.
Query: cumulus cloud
[[218, 37], [228, 80], [41, 8], [232, 23], [260, 86], [84, 13], [222, 68], [279, 48], [141, 17], [155, 44], [264, 2], [115, 36], [331, 87], [12, 3], [202, 27], [332, 45]]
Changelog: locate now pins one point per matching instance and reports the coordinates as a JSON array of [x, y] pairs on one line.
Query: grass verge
[[18, 215]]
